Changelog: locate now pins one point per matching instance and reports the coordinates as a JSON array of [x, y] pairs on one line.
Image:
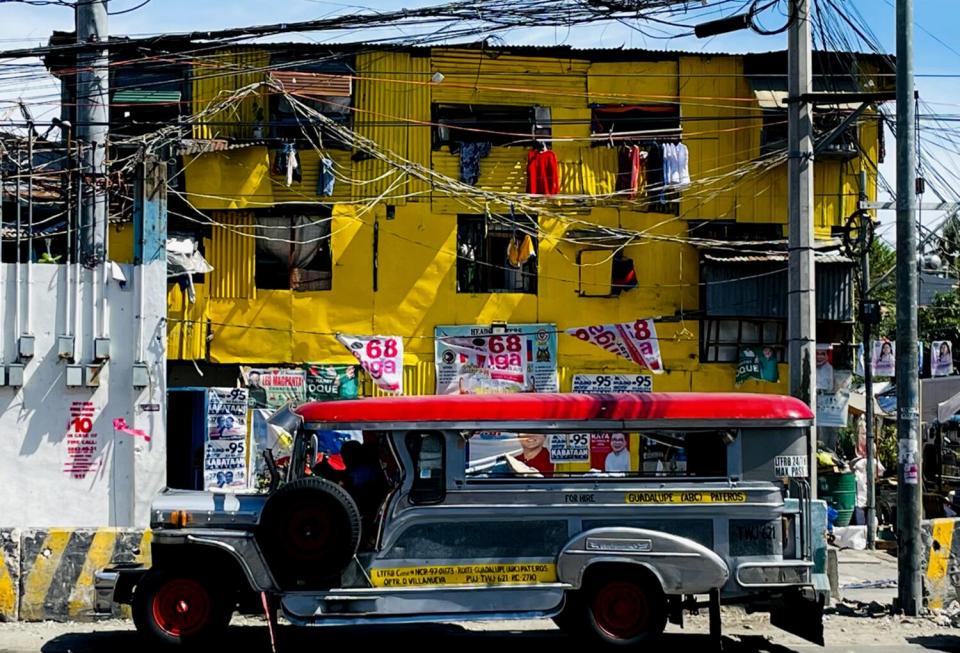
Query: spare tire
[[309, 532]]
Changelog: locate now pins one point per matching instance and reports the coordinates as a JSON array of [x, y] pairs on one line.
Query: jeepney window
[[661, 453], [429, 478]]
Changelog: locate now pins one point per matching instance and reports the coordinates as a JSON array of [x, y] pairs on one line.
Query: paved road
[[502, 637]]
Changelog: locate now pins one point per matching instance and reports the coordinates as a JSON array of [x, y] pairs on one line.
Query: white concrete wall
[[34, 420]]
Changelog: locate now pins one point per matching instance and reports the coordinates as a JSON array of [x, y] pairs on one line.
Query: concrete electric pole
[[93, 117], [801, 304], [909, 493]]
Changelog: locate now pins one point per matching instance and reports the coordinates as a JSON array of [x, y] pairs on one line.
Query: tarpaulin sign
[[380, 356], [636, 341]]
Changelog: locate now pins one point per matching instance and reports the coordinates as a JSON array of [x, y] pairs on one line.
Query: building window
[[497, 125], [645, 136], [635, 120], [294, 251], [773, 134], [327, 94], [496, 257], [722, 340]]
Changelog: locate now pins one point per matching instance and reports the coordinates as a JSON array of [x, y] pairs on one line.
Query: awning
[[769, 99], [313, 84], [146, 96]]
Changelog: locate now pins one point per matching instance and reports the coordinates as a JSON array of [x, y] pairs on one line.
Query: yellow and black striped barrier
[[9, 574], [942, 565], [57, 567]]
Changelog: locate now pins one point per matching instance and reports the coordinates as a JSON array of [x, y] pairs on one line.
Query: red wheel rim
[[181, 607], [309, 532], [621, 610]]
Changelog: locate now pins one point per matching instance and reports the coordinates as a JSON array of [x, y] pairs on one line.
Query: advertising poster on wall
[[824, 368], [758, 363], [226, 413], [381, 357], [225, 464], [636, 341], [833, 406], [612, 383], [331, 382], [473, 359], [273, 387]]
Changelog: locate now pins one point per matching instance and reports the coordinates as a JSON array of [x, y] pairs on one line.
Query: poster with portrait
[[380, 356], [226, 413], [474, 359], [884, 358], [274, 387], [758, 363], [225, 465], [941, 358], [332, 382], [825, 382], [610, 452]]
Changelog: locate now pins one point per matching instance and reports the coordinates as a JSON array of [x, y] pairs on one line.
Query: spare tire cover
[[309, 532]]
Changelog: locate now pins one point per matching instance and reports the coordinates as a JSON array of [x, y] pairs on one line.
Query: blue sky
[[937, 24]]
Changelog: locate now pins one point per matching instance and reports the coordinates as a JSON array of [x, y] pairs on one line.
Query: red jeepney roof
[[697, 406]]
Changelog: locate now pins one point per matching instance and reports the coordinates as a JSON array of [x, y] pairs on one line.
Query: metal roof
[[820, 257], [569, 407]]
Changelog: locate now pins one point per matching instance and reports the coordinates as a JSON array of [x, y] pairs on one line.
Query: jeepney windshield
[[697, 454]]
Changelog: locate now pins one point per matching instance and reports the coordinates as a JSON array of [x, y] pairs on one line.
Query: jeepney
[[469, 519]]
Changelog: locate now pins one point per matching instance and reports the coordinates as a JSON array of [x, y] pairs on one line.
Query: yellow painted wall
[[416, 254]]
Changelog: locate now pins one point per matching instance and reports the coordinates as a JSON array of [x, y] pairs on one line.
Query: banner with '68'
[[381, 357]]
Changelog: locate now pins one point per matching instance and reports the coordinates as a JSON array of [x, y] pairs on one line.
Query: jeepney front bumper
[[113, 586]]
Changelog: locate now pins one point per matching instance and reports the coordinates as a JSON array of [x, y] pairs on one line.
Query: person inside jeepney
[[364, 480], [534, 452]]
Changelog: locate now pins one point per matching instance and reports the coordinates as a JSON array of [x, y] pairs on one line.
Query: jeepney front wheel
[[180, 609], [616, 608]]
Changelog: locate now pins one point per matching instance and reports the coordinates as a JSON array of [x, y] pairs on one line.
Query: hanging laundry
[[325, 178], [470, 155], [543, 175], [293, 168], [625, 169], [520, 250], [655, 176], [683, 163]]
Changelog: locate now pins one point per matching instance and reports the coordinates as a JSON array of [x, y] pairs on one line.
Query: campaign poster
[[331, 382], [475, 359], [274, 387]]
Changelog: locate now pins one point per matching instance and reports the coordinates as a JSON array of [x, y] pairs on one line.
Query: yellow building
[[408, 241]]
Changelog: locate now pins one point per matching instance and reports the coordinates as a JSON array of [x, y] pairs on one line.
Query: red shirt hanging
[[543, 176]]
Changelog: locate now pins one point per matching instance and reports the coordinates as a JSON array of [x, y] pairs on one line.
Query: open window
[[293, 251], [722, 340], [328, 94], [635, 120], [773, 134], [497, 125], [494, 256], [692, 453], [429, 470]]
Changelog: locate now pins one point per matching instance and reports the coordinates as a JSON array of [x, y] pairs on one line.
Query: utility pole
[[93, 87], [801, 315], [909, 598], [866, 319]]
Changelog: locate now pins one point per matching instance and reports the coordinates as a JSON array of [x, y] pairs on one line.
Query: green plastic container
[[840, 492]]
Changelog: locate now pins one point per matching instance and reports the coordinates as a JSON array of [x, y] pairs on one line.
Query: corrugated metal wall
[[215, 78], [472, 76], [760, 290], [231, 251], [392, 104], [187, 323]]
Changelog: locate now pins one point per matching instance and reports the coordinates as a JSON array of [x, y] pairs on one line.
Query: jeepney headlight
[[172, 519]]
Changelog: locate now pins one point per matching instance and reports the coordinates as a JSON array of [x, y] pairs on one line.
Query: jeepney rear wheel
[[623, 608], [179, 609], [309, 532]]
